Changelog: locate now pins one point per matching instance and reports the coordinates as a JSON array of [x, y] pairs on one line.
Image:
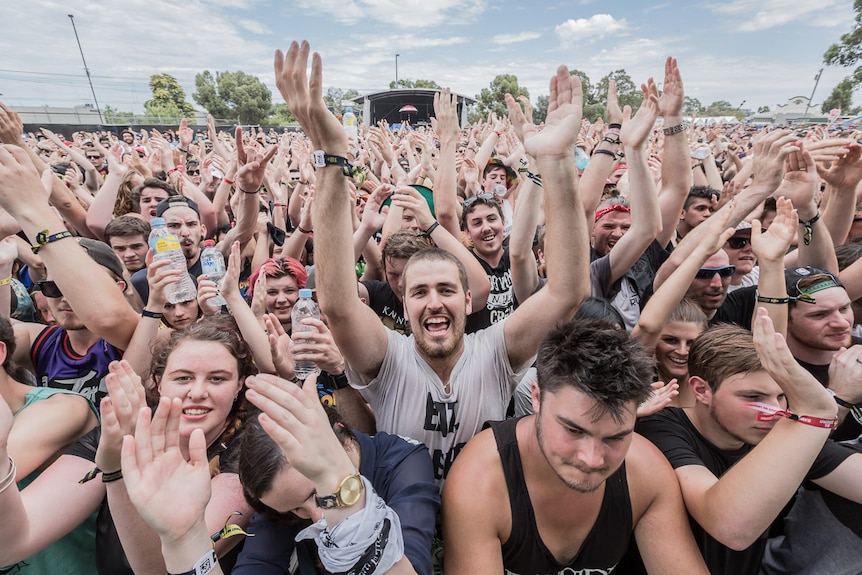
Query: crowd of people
[[527, 365]]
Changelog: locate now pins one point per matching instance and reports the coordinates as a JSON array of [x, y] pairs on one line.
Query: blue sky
[[758, 51]]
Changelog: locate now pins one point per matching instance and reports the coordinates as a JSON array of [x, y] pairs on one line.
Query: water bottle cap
[[305, 292], [157, 222], [209, 243]]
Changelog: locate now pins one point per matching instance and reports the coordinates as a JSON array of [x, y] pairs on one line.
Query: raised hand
[[562, 124], [304, 98], [672, 96], [800, 183], [170, 493], [636, 130], [770, 151], [281, 346], [772, 244], [119, 411], [252, 166], [296, 421]]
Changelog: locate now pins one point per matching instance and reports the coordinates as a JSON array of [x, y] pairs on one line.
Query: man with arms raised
[[577, 479], [439, 386]]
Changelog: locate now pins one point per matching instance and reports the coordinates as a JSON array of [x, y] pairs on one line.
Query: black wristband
[[152, 314], [427, 233]]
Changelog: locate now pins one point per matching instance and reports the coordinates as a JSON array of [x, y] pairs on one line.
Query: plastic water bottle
[[212, 264], [582, 160], [166, 246], [348, 120], [303, 308]]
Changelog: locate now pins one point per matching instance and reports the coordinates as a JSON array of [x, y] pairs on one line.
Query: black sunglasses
[[49, 289], [487, 197], [193, 172], [94, 158], [709, 273], [737, 243]]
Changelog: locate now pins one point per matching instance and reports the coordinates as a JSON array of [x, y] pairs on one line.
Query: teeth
[[437, 320], [195, 411]]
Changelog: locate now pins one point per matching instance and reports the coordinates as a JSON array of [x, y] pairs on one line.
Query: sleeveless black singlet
[[524, 553]]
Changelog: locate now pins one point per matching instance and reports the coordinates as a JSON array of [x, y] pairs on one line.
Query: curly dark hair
[[599, 360]]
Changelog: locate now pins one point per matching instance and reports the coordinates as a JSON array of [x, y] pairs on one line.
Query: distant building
[[417, 105], [794, 111]]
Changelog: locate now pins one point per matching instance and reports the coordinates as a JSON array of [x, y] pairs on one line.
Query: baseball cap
[[794, 276], [102, 255], [176, 202]]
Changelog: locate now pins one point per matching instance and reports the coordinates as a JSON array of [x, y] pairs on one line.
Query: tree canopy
[[493, 98], [233, 95], [169, 98], [847, 52], [407, 83]]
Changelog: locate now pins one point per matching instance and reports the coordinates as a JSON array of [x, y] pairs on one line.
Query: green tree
[[628, 93], [169, 98], [233, 95], [590, 96], [113, 116], [334, 96], [692, 106], [407, 83], [492, 99], [593, 112], [848, 51], [723, 108], [841, 97], [763, 109], [540, 110], [280, 116]]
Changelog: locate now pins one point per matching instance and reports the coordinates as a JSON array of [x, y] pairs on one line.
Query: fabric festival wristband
[[770, 412], [228, 182], [427, 233], [773, 300], [671, 130], [43, 239], [6, 281], [369, 541], [152, 314], [843, 402]]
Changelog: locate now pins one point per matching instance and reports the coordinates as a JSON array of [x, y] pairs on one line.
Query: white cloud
[[756, 15], [595, 27], [515, 38], [253, 26], [398, 13]]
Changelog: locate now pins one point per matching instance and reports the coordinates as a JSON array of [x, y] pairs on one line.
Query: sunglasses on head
[[49, 289], [709, 273], [487, 197], [738, 243]]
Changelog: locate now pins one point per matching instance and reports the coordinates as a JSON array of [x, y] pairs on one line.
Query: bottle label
[[164, 244]]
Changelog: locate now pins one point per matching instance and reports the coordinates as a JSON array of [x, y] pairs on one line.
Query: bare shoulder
[[649, 474], [477, 467]]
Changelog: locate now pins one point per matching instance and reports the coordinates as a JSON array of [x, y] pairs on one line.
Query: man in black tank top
[[562, 491]]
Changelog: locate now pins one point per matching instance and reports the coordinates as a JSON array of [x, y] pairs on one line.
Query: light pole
[[816, 81], [87, 70], [396, 70]]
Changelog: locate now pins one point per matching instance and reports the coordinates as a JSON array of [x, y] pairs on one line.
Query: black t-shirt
[[738, 308], [850, 428], [387, 306], [501, 299], [673, 433]]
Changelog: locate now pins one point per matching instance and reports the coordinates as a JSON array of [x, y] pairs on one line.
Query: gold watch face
[[350, 490]]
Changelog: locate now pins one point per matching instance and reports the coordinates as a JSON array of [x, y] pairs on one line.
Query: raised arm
[[740, 505], [445, 181], [336, 279], [78, 276], [101, 211], [675, 162], [646, 219], [566, 241], [770, 152]]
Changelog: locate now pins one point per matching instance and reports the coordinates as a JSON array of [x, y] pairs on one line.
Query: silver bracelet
[[10, 477]]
